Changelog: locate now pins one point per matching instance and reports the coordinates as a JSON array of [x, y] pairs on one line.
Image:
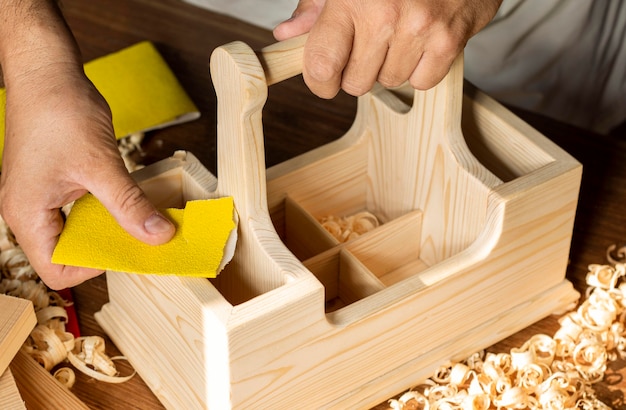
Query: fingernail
[[157, 223]]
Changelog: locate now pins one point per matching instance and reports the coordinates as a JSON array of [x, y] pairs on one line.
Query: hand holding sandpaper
[[202, 245]]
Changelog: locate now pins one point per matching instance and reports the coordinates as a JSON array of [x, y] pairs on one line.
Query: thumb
[[132, 210], [301, 21]]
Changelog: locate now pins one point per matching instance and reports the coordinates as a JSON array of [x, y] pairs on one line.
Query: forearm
[[34, 38]]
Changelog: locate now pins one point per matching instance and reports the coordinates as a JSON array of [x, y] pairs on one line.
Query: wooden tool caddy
[[477, 211]]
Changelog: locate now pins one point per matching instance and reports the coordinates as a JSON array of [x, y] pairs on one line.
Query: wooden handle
[[282, 60]]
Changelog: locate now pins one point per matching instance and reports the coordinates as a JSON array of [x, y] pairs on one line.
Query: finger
[[37, 235], [437, 58], [430, 70], [70, 276], [301, 21], [130, 207], [362, 69], [326, 54], [401, 61]]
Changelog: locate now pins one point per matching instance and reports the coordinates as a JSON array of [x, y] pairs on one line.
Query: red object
[[72, 318]]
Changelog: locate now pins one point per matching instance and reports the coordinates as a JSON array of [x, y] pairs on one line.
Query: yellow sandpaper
[[92, 238], [140, 88]]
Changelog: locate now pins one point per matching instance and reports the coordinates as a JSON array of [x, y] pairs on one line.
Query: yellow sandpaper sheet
[[139, 86], [203, 241]]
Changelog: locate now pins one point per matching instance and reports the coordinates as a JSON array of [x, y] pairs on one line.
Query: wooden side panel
[[360, 366], [419, 160], [159, 324]]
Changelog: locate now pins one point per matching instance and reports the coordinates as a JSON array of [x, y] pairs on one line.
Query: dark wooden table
[[295, 122]]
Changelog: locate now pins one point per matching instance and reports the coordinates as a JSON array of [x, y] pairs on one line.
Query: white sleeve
[[262, 13], [562, 58]]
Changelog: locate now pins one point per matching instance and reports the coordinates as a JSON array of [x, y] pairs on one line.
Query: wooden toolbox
[[476, 212]]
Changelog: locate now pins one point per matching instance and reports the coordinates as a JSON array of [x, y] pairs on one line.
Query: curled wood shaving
[[51, 313], [49, 343], [48, 346], [349, 227], [15, 264], [88, 356], [65, 376], [545, 372]]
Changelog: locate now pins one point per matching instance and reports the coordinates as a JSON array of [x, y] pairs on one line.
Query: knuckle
[[420, 21], [322, 66], [388, 16], [449, 44], [129, 198]]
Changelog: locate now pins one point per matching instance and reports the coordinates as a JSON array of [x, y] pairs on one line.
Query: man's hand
[[59, 142], [352, 44], [59, 145]]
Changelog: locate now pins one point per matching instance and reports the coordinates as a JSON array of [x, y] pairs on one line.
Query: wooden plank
[[39, 389], [17, 319], [10, 398]]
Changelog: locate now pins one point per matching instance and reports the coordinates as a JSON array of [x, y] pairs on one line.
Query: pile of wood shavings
[[349, 227], [546, 372], [49, 343]]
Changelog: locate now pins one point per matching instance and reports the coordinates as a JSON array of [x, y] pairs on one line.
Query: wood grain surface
[[185, 35]]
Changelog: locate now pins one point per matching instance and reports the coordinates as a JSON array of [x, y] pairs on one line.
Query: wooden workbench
[[185, 35]]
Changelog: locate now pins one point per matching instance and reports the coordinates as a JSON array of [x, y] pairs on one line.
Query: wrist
[[33, 38]]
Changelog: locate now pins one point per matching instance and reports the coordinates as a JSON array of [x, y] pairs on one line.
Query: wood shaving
[[88, 356], [48, 346], [545, 372], [128, 146], [349, 227], [65, 376], [49, 343]]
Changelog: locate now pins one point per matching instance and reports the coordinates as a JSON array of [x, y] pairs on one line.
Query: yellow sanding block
[[203, 244], [140, 88]]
